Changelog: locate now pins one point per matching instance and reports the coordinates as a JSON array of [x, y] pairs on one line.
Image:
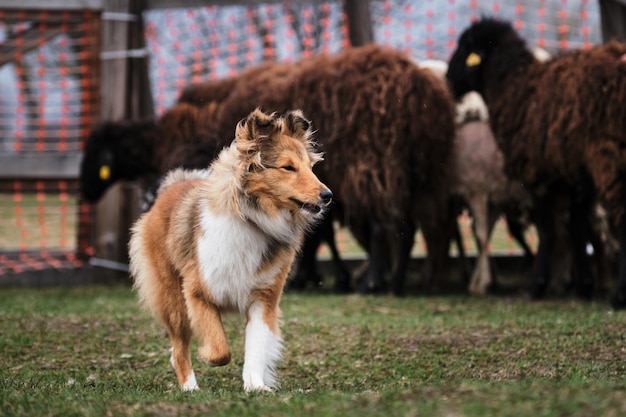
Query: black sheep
[[115, 151], [561, 126]]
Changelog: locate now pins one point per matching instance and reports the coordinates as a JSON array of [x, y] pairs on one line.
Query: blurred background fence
[[66, 65]]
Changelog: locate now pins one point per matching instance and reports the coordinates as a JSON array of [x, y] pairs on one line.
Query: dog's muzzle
[[325, 196]]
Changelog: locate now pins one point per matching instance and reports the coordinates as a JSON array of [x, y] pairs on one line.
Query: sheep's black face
[[467, 65], [464, 71], [97, 171]]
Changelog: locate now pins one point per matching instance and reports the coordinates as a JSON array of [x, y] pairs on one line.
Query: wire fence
[[50, 91], [49, 101]]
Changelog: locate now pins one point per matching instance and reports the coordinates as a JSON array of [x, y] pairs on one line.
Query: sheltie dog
[[224, 239]]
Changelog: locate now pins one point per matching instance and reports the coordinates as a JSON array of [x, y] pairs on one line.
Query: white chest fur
[[231, 251]]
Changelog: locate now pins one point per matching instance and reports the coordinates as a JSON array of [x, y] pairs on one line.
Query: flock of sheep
[[404, 142]]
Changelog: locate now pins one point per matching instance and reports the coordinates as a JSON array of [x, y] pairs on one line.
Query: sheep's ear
[[473, 59], [105, 163]]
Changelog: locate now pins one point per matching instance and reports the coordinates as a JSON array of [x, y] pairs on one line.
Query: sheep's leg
[[342, 276], [374, 280], [618, 300], [307, 262], [407, 238], [493, 217], [481, 278], [544, 221], [600, 257], [437, 231], [516, 229], [456, 208], [458, 239], [580, 214]]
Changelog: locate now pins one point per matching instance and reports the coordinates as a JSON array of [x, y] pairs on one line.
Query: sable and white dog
[[224, 239]]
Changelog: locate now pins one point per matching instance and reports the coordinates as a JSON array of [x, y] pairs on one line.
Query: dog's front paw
[[190, 386], [256, 388], [255, 383]]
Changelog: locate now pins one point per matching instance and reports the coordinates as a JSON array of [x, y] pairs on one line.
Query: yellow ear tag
[[472, 60], [105, 172]]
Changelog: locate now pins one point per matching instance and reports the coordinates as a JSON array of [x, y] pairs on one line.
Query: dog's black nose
[[326, 196]]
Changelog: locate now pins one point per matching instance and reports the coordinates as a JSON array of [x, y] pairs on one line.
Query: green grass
[[91, 351]]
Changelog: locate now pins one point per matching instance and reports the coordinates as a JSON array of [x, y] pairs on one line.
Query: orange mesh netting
[[48, 104], [49, 87]]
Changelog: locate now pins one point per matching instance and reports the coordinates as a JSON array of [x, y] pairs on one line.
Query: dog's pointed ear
[[297, 124], [257, 126], [253, 134]]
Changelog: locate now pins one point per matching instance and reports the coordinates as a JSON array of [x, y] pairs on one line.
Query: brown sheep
[[562, 128], [387, 129]]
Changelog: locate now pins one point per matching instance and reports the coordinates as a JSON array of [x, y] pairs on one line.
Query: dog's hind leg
[[176, 322], [181, 357], [263, 345], [163, 291]]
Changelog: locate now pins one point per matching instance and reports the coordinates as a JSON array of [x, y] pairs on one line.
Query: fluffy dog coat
[[224, 239]]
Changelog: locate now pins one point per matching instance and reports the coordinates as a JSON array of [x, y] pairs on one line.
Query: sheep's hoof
[[537, 290], [399, 292], [584, 291], [618, 301], [300, 281], [342, 284], [373, 287]]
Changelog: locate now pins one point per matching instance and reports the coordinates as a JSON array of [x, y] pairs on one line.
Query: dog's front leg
[[207, 325], [263, 346]]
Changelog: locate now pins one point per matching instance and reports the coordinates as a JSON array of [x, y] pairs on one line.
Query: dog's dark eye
[[289, 168]]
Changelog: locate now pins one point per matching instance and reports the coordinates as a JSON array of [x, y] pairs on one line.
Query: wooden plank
[[50, 17], [60, 166], [188, 4], [52, 4], [114, 71]]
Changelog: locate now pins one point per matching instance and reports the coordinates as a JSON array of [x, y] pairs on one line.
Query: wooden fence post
[[613, 19], [125, 94], [359, 21]]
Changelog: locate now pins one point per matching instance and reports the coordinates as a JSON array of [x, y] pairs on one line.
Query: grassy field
[[91, 351]]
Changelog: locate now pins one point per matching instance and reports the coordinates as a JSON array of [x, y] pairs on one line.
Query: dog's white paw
[[191, 384], [189, 387], [256, 388]]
